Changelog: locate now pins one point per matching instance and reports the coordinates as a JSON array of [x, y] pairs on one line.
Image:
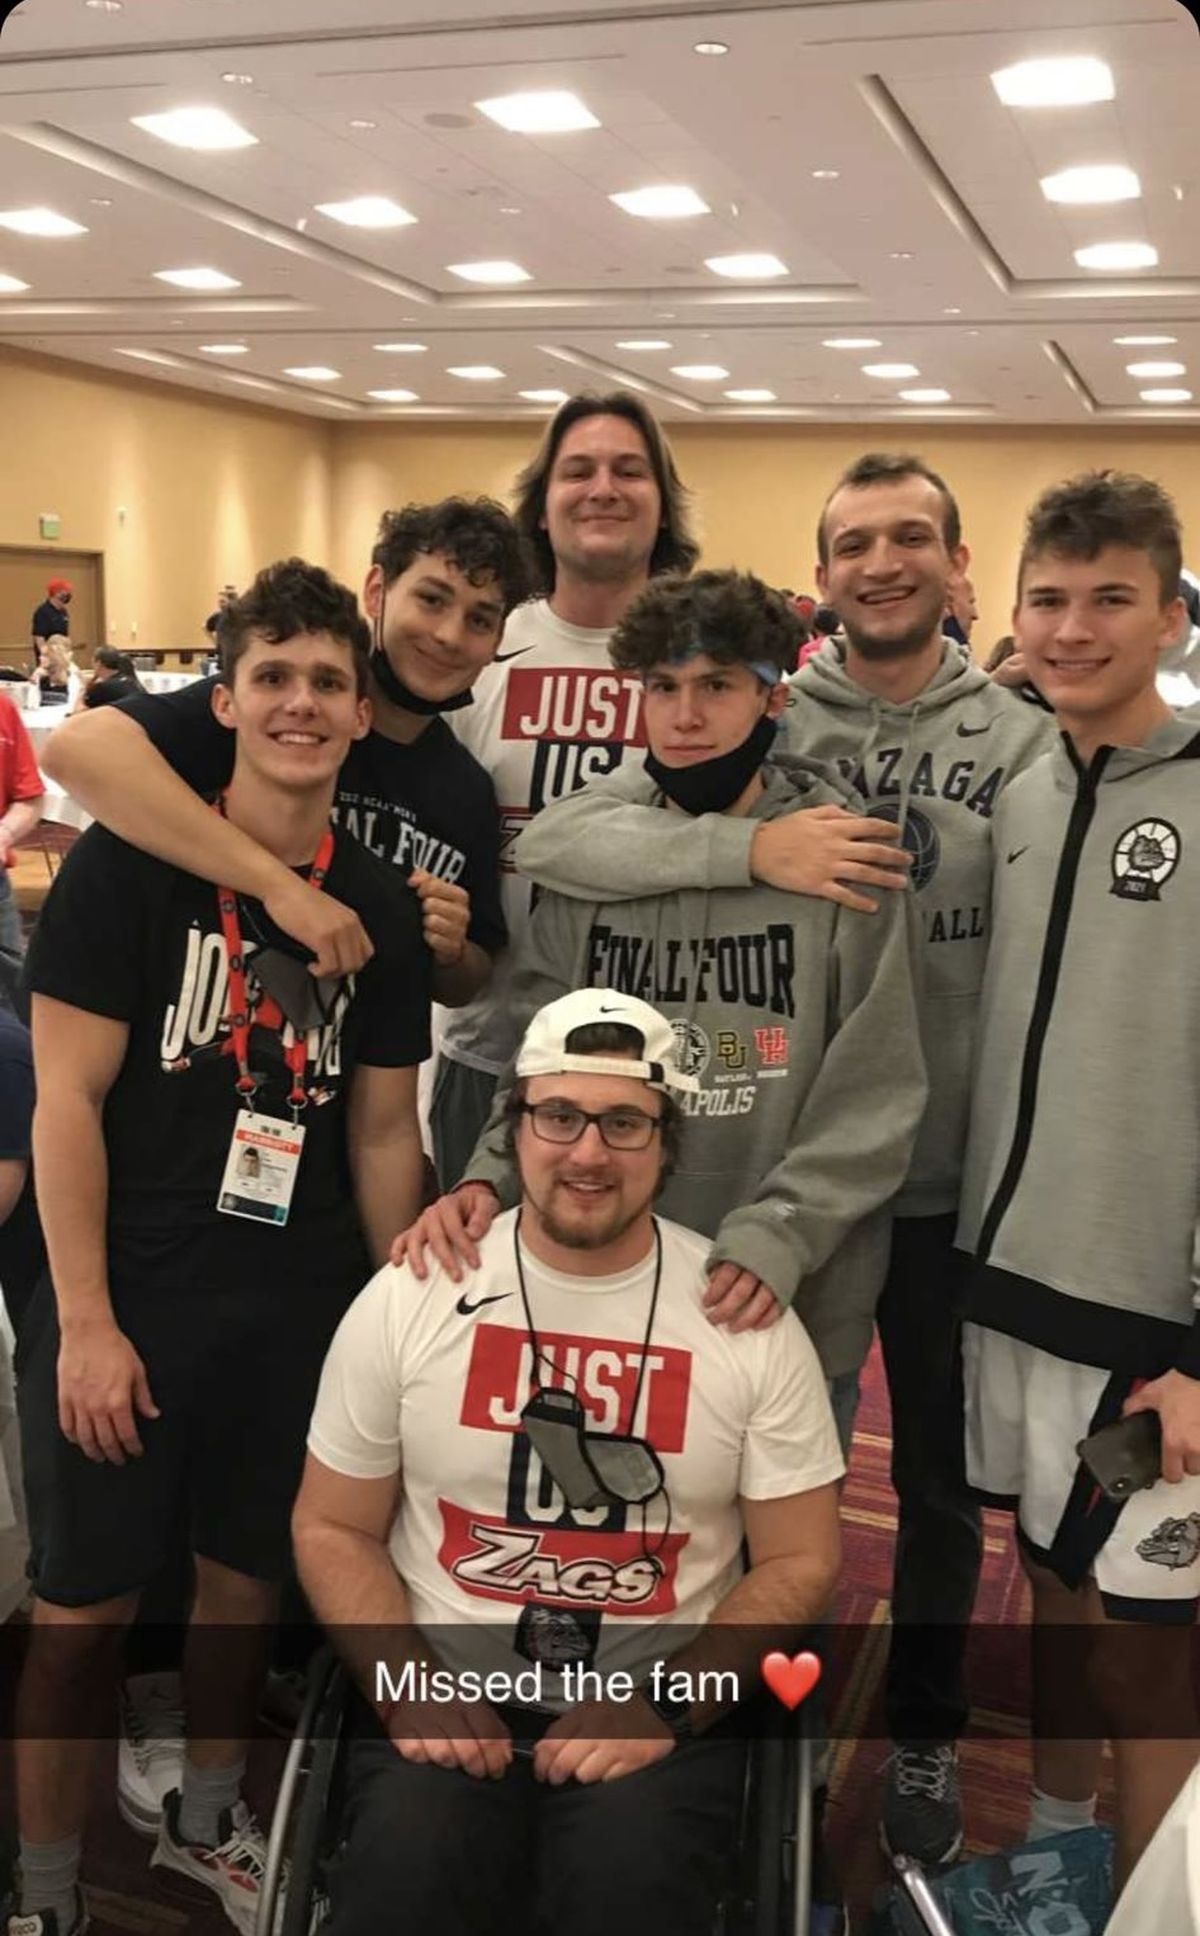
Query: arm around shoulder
[[612, 842]]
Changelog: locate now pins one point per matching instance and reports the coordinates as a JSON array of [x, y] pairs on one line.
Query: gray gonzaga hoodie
[[937, 764], [1082, 1185], [798, 1018]]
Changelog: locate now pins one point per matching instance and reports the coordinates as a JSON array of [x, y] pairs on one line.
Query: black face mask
[[710, 786], [393, 687]]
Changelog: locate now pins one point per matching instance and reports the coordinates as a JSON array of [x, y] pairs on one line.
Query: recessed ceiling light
[[543, 111], [751, 396], [197, 278], [544, 396], [826, 174], [225, 349], [1166, 396], [1117, 255], [400, 349], [891, 372], [1054, 83], [644, 343], [1104, 183], [925, 396], [363, 126], [952, 312], [1156, 369], [666, 204], [900, 255], [239, 80], [152, 356], [851, 343], [475, 372], [39, 221], [711, 47], [11, 286], [367, 212], [746, 268], [313, 372], [1144, 342], [700, 372], [105, 6], [100, 201], [204, 128], [394, 396], [495, 273]]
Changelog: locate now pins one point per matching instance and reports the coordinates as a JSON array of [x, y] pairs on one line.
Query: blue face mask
[[712, 786]]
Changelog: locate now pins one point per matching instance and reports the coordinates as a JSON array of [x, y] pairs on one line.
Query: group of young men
[[846, 971]]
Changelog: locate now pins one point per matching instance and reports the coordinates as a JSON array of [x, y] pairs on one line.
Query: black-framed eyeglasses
[[562, 1122]]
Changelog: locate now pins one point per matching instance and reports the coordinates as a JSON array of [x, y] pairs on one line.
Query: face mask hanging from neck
[[392, 686], [712, 786]]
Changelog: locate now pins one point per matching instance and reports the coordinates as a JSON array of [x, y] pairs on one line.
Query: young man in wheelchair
[[545, 1473]]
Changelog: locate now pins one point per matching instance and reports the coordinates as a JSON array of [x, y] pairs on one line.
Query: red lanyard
[[295, 1052]]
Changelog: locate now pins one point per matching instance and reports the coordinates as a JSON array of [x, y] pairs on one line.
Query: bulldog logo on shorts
[[1174, 1543], [1144, 859]]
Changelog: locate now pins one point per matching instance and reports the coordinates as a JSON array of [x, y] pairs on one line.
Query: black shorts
[[234, 1380]]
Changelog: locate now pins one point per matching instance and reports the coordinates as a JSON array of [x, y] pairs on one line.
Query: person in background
[[22, 793], [169, 1361], [51, 620], [603, 511], [432, 1512], [225, 598], [114, 678], [961, 612], [1080, 1187], [52, 673]]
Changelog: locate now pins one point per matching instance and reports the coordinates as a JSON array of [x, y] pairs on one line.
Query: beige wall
[[759, 489], [209, 491]]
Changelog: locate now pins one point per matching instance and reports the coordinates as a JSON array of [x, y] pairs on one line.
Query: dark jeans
[[432, 1849], [939, 1542]]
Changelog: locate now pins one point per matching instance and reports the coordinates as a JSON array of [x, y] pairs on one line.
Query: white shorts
[[1026, 1411]]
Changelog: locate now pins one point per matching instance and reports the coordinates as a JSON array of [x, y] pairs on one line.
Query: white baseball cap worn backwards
[[544, 1050]]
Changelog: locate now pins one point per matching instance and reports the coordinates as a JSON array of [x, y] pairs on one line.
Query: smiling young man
[[1080, 1195], [443, 577], [440, 1527], [603, 510], [929, 744], [796, 1016], [169, 1360]]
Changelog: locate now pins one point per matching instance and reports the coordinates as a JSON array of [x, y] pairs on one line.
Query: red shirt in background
[[19, 775]]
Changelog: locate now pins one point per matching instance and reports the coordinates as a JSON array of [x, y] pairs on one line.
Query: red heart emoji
[[791, 1680]]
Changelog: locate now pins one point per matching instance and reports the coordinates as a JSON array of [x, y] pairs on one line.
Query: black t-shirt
[[126, 936], [112, 691], [429, 804], [48, 622]]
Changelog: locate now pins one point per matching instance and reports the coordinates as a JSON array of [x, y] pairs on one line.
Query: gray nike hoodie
[[1081, 1195], [937, 764], [798, 1018]]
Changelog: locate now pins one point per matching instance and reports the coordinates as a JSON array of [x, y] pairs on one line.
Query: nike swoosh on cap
[[466, 1310]]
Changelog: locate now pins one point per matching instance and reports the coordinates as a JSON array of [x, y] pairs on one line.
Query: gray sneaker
[[922, 1805]]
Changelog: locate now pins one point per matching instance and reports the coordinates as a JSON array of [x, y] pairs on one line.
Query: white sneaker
[[150, 1753], [233, 1870]]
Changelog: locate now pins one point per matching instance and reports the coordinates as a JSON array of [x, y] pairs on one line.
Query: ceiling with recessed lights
[[830, 210]]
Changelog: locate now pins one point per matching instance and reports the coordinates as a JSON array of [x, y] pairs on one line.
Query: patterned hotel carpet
[[995, 1759]]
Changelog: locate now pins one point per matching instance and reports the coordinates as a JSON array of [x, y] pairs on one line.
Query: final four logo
[[1144, 859]]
